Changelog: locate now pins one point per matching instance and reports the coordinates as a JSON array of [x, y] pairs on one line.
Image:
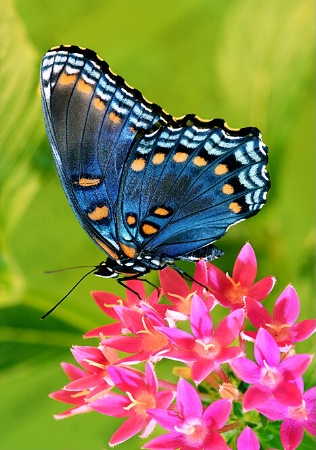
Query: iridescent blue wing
[[184, 186], [92, 119]]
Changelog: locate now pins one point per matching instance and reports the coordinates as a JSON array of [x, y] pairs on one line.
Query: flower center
[[140, 404], [206, 349], [236, 293], [298, 412], [194, 432], [153, 341], [280, 333], [270, 376]]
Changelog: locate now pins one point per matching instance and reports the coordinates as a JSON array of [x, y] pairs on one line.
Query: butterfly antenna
[[74, 287], [67, 268]]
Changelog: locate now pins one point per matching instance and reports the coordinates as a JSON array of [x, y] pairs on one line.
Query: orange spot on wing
[[115, 118], [86, 182], [158, 158], [162, 211], [180, 157], [235, 207], [227, 189], [84, 87], [149, 229], [199, 161], [129, 251], [99, 104], [131, 220], [66, 79], [138, 164], [99, 213], [221, 169]]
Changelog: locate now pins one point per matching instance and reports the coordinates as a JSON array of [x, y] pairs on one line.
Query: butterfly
[[148, 188]]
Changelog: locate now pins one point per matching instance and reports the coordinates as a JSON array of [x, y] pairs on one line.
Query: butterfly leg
[[186, 276], [121, 281]]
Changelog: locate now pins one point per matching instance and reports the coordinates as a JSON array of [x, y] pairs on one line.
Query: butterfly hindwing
[[187, 185]]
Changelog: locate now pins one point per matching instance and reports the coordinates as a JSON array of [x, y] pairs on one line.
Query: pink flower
[[295, 419], [74, 397], [190, 427], [247, 440], [207, 348], [270, 376], [179, 294], [230, 291], [141, 395], [281, 324], [147, 343], [107, 303]]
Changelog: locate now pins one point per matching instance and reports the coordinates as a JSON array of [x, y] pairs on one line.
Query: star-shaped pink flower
[[190, 427], [231, 290], [281, 324], [270, 376]]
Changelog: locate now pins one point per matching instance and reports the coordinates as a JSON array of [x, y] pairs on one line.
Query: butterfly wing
[[92, 119], [184, 186]]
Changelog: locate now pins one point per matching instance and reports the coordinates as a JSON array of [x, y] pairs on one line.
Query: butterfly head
[[106, 269]]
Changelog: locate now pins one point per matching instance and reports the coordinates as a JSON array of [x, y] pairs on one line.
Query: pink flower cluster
[[174, 322]]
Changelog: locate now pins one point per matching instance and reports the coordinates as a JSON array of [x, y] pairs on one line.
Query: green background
[[248, 61]]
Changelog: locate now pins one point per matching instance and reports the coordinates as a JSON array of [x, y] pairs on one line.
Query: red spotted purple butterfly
[[147, 187]]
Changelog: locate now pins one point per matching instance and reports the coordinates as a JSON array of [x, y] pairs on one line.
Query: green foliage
[[248, 61]]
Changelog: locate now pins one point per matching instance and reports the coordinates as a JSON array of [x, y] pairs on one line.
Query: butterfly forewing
[[92, 118]]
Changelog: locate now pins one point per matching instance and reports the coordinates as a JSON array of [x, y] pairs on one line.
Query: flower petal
[[129, 428], [201, 369], [288, 394], [169, 441], [310, 399], [112, 406], [303, 330], [266, 349], [229, 327], [166, 418], [246, 369], [201, 322], [287, 306], [291, 434], [257, 314], [247, 440], [188, 401], [172, 282], [273, 409], [294, 366], [217, 413], [262, 288], [245, 267], [255, 396]]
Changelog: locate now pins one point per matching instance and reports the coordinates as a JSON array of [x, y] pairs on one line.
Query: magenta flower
[[295, 419], [191, 428], [141, 395], [281, 324], [247, 440], [230, 291], [147, 343], [107, 302], [179, 294], [75, 397], [207, 348], [270, 376]]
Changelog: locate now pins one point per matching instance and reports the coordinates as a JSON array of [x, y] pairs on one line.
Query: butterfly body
[[148, 188]]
